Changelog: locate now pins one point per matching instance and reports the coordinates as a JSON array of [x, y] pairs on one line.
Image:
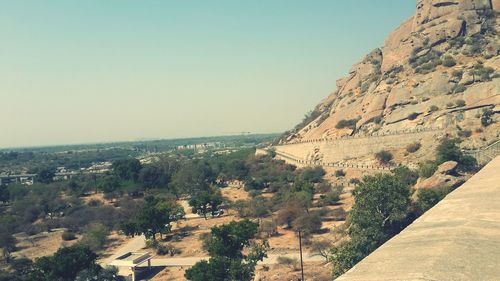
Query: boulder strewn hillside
[[440, 68]]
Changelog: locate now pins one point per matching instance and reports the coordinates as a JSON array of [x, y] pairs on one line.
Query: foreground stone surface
[[458, 239]]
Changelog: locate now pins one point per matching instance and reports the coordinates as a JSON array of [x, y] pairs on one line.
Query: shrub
[[322, 248], [338, 214], [161, 250], [268, 228], [255, 207], [413, 147], [486, 119], [287, 214], [459, 88], [413, 116], [68, 236], [351, 123], [323, 187], [427, 198], [365, 86], [457, 42], [448, 150], [95, 236], [484, 73], [311, 174], [457, 73], [377, 119], [384, 156], [333, 196], [150, 243], [354, 181], [460, 103], [339, 173], [464, 133], [293, 262], [94, 203], [433, 108], [308, 223], [427, 169], [448, 61]]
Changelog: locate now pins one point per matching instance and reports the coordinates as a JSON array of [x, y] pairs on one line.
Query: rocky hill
[[439, 69]]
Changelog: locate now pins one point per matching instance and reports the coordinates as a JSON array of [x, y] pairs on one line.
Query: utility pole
[[301, 262]]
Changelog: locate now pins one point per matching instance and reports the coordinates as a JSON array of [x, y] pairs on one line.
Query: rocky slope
[[440, 68]]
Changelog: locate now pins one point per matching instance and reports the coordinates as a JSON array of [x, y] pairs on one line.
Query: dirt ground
[[41, 244], [285, 242], [314, 271]]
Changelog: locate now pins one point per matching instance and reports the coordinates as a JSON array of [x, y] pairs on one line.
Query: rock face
[[446, 55]]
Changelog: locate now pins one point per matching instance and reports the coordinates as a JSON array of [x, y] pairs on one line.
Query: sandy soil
[[39, 245], [283, 244]]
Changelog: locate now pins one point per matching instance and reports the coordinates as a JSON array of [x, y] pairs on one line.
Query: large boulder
[[447, 168]]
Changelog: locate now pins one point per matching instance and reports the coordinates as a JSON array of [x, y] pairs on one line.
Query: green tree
[[98, 274], [227, 262], [109, 184], [46, 175], [4, 194], [66, 263], [384, 156], [192, 177], [448, 150], [427, 198], [308, 223], [312, 174], [405, 175], [154, 217], [7, 242], [127, 169], [152, 176], [95, 236], [381, 209], [486, 118], [205, 201]]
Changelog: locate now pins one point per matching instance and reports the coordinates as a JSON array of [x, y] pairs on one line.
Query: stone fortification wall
[[339, 151]]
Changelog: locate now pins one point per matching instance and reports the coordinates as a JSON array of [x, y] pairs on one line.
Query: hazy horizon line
[[3, 148]]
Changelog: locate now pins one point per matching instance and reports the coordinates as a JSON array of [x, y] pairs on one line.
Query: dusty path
[[137, 243], [189, 261]]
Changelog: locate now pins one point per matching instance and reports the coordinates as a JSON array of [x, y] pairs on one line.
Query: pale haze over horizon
[[99, 71]]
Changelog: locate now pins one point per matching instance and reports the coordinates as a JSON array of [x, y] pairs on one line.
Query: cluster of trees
[[225, 246], [293, 191], [75, 263], [154, 217]]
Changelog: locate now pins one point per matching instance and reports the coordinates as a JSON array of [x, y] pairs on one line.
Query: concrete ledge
[[458, 239]]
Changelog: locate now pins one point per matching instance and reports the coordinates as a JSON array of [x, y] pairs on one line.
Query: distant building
[[27, 179]]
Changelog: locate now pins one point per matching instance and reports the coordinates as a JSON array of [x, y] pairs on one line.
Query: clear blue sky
[[93, 70]]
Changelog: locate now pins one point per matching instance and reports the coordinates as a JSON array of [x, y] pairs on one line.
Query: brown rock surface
[[447, 167], [406, 76], [441, 178]]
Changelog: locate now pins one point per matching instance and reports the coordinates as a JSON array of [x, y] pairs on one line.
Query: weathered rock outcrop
[[443, 177], [438, 69]]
